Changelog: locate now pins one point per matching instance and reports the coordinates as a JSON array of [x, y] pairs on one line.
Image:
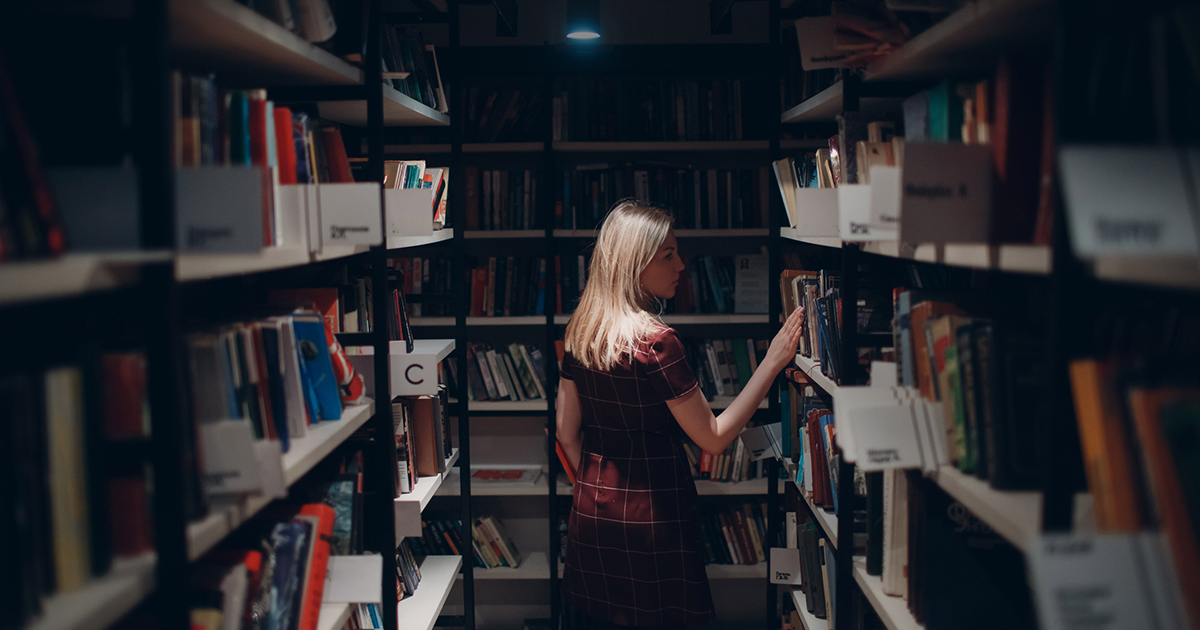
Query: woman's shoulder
[[662, 340]]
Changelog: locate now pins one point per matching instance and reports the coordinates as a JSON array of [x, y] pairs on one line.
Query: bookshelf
[[1015, 515], [893, 611], [102, 601], [535, 566], [72, 275], [807, 619], [812, 369], [410, 506], [420, 611], [498, 234], [398, 111]]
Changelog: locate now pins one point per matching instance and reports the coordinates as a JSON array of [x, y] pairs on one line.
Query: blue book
[[289, 542], [300, 139], [314, 357]]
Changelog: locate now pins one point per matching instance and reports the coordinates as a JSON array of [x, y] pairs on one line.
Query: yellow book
[[68, 479]]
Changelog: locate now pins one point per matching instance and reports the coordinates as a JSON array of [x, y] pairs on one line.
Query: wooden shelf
[[398, 111], [824, 241], [813, 369], [402, 242], [504, 234], [334, 616], [431, 321], [715, 145], [1017, 516], [757, 571], [305, 452], [527, 320], [893, 611], [250, 50], [508, 405], [810, 621], [970, 38], [72, 274], [102, 601], [420, 610]]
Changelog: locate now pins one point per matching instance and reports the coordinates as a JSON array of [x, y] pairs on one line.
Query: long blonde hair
[[612, 318]]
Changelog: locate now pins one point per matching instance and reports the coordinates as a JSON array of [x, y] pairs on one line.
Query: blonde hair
[[612, 318]]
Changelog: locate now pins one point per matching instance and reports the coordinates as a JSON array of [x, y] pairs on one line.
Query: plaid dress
[[633, 548]]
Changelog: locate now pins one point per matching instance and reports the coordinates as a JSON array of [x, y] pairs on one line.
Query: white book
[[537, 382], [289, 370], [510, 372], [714, 368], [498, 376], [895, 533]]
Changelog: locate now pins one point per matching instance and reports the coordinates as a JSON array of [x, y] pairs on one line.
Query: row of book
[[423, 438], [724, 366], [819, 294], [408, 573], [510, 113], [422, 276], [493, 547], [503, 286], [699, 198], [636, 109], [817, 562], [808, 436], [734, 464], [735, 535], [501, 199], [405, 51], [516, 372], [721, 284], [215, 126], [70, 505]]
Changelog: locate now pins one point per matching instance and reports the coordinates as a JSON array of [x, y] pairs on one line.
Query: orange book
[[1166, 490], [323, 300], [335, 156], [920, 313], [1112, 477], [314, 589], [285, 148]]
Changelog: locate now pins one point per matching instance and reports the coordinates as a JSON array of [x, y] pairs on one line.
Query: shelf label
[[1103, 582], [816, 211], [353, 580], [854, 215], [350, 214], [1127, 200], [785, 566], [884, 435], [885, 197], [231, 464], [819, 44], [945, 193], [221, 209]]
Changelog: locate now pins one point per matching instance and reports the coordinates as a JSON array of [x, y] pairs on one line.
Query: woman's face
[[661, 276]]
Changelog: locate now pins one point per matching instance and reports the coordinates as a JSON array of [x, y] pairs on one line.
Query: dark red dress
[[633, 549]]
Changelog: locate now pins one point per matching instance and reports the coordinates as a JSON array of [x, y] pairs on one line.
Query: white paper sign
[[785, 566], [1102, 582], [751, 287], [221, 209], [946, 193], [885, 436], [885, 197], [854, 215], [816, 211], [230, 462], [350, 214], [353, 580], [1127, 200], [763, 441], [818, 48]]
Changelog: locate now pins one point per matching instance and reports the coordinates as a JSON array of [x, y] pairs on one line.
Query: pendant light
[[583, 19]]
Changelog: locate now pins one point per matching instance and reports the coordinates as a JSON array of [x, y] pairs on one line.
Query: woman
[[626, 397]]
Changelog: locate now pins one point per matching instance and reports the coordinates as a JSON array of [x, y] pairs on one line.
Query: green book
[[742, 358]]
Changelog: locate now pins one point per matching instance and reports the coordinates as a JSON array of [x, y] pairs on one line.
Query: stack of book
[[503, 286], [608, 110], [817, 565], [723, 366], [809, 434], [699, 198], [71, 506], [510, 113], [492, 545], [422, 436], [516, 372], [734, 535], [501, 199]]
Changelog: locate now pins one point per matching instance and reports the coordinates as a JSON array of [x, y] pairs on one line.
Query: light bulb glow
[[583, 33]]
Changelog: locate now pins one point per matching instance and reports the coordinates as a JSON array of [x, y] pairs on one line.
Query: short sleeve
[[564, 371], [667, 367]]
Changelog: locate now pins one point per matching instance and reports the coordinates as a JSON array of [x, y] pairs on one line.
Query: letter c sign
[[408, 374]]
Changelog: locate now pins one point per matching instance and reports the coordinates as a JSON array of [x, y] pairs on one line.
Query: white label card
[[353, 580], [885, 437], [885, 197], [818, 44], [1127, 200], [230, 461], [854, 215], [785, 566], [946, 193]]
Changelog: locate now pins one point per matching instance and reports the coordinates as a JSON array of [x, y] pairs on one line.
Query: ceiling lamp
[[583, 19]]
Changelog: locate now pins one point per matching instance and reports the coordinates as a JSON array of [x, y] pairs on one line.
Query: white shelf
[[893, 611], [731, 488], [72, 274], [504, 234], [428, 486], [508, 405], [334, 616], [402, 242], [825, 105], [714, 145], [450, 488], [534, 566], [305, 452], [420, 610], [971, 37], [824, 241], [340, 251], [828, 520], [719, 318], [813, 369], [723, 402], [757, 571], [249, 49], [810, 621], [398, 111], [190, 267], [1017, 516], [102, 601]]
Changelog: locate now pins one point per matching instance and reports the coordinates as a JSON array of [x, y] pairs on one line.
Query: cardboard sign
[[1127, 201], [946, 193]]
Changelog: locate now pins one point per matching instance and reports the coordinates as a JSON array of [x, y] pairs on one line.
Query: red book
[[259, 151], [322, 300], [335, 156], [131, 523], [284, 145], [314, 589], [566, 463], [478, 288], [124, 394]]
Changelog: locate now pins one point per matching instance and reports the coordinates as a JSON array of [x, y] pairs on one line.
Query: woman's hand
[[783, 347]]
